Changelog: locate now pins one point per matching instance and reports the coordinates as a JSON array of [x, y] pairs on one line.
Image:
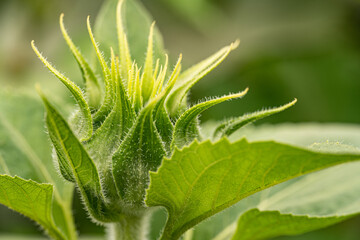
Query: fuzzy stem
[[129, 228]]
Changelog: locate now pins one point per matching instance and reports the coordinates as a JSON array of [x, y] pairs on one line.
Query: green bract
[[134, 143], [127, 122]]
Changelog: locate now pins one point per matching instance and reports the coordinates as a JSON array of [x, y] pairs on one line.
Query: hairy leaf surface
[[93, 90], [25, 152], [75, 163], [87, 126], [330, 194], [219, 175], [229, 127], [140, 152], [186, 128], [31, 199]]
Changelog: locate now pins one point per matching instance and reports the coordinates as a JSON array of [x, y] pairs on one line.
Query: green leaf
[[313, 201], [25, 152], [31, 199], [140, 152], [255, 224], [186, 128], [331, 193], [93, 90], [192, 75], [219, 175], [137, 24], [75, 163], [23, 148], [300, 134], [77, 94], [229, 127], [310, 202]]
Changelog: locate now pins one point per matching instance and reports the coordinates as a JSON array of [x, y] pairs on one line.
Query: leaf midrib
[[203, 216]]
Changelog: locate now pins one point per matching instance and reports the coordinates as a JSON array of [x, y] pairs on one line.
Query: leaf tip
[[235, 44], [88, 23], [242, 93], [61, 22], [290, 104], [37, 52], [33, 45]]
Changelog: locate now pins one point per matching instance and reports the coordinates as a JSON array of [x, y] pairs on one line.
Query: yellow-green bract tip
[[292, 102], [235, 44], [240, 94]]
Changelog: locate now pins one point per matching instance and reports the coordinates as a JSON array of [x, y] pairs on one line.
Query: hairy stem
[[129, 228]]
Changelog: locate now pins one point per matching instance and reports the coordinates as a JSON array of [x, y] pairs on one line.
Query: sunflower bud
[[125, 123]]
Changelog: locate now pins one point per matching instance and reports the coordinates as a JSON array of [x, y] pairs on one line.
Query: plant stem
[[129, 228]]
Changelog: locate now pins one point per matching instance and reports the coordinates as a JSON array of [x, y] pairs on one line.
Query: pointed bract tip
[[235, 44], [151, 34], [288, 105], [291, 103], [34, 47], [118, 7], [61, 21], [240, 94]]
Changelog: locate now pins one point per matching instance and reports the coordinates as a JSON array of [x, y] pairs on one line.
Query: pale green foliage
[[255, 224], [25, 153], [32, 199], [314, 200], [134, 115], [221, 174]]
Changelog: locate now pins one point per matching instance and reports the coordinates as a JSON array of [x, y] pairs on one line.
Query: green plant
[[133, 143]]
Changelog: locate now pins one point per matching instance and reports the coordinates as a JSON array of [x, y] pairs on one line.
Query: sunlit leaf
[[31, 199], [219, 175]]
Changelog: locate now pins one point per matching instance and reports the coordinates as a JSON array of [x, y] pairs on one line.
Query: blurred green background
[[306, 49]]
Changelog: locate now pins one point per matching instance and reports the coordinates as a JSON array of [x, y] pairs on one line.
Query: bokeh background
[[306, 49]]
